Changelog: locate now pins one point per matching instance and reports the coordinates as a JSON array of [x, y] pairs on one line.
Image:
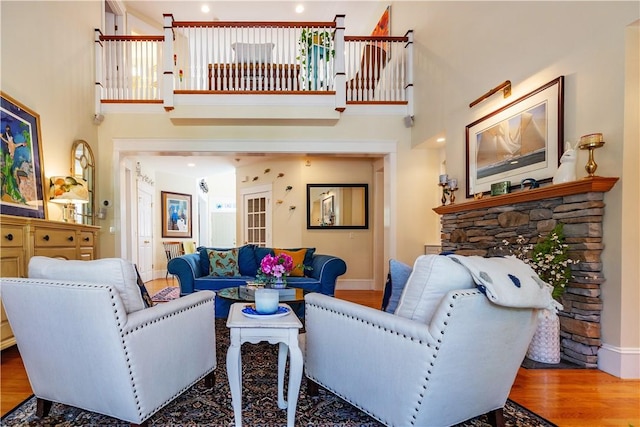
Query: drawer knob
[[46, 237], [86, 239], [9, 237], [70, 238]]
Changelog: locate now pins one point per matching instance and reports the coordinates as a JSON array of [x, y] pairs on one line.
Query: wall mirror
[[83, 166], [337, 206]]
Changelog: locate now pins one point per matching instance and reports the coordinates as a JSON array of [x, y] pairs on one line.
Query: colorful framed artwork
[[521, 140], [383, 29], [176, 214], [383, 26], [22, 174]]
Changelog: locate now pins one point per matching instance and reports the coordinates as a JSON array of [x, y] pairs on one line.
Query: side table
[[275, 330]]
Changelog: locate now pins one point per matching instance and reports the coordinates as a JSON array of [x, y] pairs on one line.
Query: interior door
[[256, 216], [145, 232]]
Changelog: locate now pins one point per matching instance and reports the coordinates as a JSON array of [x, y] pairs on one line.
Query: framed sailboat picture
[[521, 140]]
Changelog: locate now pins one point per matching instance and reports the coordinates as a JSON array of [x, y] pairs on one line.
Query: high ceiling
[[361, 15]]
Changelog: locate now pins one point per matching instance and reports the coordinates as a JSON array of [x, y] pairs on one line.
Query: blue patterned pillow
[[396, 280], [223, 263]]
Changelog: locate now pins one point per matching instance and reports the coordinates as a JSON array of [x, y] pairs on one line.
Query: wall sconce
[[506, 92], [68, 191]]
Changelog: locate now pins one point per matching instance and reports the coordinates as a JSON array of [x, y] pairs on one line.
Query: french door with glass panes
[[256, 215]]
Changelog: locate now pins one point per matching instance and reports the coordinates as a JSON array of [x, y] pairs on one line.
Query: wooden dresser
[[21, 238]]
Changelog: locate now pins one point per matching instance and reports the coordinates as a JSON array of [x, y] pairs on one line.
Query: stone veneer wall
[[482, 231]]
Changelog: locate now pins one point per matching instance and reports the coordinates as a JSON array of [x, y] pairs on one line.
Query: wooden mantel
[[585, 185]]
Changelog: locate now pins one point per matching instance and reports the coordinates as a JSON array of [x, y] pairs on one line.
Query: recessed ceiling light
[[191, 165], [205, 8], [440, 140], [299, 8]]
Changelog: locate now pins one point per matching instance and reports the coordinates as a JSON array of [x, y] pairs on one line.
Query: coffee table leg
[[283, 351], [234, 372], [295, 376]]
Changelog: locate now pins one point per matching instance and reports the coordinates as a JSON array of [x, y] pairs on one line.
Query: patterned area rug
[[166, 294], [200, 406]]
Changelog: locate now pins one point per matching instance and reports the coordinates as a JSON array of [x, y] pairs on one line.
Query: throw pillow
[[253, 52], [223, 263], [146, 298], [432, 277], [396, 280], [298, 260], [308, 258], [117, 272], [260, 252], [247, 260]]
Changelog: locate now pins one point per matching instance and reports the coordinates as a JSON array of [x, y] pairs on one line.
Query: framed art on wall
[[327, 210], [21, 170], [521, 140], [176, 214]]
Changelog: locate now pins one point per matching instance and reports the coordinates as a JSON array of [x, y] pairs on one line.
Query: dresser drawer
[[50, 237], [86, 238], [12, 236], [59, 252]]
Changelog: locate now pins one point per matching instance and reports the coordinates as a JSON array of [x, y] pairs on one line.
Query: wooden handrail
[[132, 38], [375, 39], [244, 24]]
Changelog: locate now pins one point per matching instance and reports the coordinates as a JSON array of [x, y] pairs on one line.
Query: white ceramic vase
[[279, 283], [545, 345]]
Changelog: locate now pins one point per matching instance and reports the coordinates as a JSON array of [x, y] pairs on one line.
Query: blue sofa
[[192, 271]]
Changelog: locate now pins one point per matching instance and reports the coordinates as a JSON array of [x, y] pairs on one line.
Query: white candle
[[443, 178], [267, 301], [453, 183]]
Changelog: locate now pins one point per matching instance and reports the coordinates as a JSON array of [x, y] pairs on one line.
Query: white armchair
[[459, 364], [87, 340]]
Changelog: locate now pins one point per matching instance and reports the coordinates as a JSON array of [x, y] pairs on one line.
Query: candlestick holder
[[452, 196], [591, 165], [445, 192]]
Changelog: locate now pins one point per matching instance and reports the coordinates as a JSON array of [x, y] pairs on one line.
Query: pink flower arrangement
[[275, 267]]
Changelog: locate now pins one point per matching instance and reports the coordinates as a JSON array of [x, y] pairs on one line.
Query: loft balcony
[[254, 70]]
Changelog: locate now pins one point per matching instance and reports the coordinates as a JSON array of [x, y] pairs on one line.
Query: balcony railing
[[253, 58]]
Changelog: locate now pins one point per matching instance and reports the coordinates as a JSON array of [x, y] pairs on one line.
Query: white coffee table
[[275, 330]]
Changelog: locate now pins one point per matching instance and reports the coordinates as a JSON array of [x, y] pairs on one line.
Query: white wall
[[463, 49], [44, 57]]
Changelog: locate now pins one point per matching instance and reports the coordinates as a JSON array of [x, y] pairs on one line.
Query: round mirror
[[83, 166]]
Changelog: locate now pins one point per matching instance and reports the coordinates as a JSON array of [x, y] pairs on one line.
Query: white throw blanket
[[509, 281]]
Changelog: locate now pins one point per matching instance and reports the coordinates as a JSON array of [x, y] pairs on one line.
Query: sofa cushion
[[144, 293], [308, 257], [117, 272], [246, 260], [432, 277], [223, 263], [399, 273], [259, 253], [298, 260]]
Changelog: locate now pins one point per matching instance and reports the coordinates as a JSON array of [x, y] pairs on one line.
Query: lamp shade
[[67, 189]]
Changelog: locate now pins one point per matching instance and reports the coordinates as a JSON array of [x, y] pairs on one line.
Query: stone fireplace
[[479, 227]]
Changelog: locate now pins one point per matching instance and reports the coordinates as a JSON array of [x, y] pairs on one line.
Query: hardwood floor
[[566, 397]]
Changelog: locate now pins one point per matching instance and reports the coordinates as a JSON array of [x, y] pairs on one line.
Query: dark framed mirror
[[337, 206]]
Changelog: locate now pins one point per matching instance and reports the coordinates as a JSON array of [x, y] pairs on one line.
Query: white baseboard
[[620, 362], [355, 285]]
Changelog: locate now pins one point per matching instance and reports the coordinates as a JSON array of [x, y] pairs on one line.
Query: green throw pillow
[[223, 263]]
